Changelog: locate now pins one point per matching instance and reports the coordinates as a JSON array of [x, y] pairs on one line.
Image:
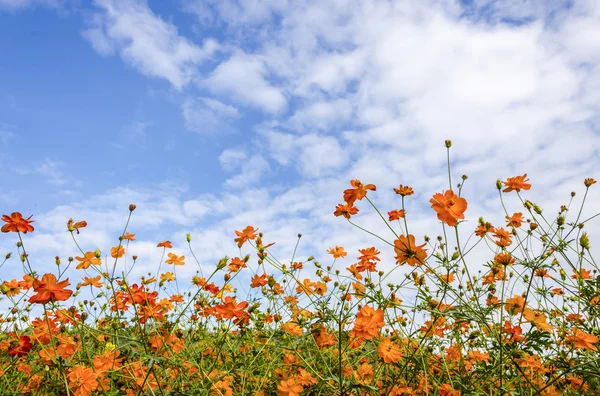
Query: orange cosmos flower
[[236, 264], [515, 305], [16, 223], [346, 210], [175, 260], [404, 190], [289, 387], [585, 274], [515, 220], [95, 281], [408, 252], [396, 214], [48, 290], [504, 258], [128, 236], [117, 251], [369, 254], [589, 181], [504, 237], [82, 380], [71, 226], [21, 347], [337, 252], [88, 259], [388, 351], [248, 233], [259, 280], [448, 390], [582, 340], [358, 192], [449, 207], [165, 244], [368, 322], [483, 229], [230, 308], [516, 183]]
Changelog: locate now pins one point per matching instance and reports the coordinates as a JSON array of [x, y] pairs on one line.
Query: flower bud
[[499, 184], [584, 241], [448, 143], [188, 237], [97, 253], [132, 207]]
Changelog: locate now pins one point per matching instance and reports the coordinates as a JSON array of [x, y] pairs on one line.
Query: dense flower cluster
[[526, 324]]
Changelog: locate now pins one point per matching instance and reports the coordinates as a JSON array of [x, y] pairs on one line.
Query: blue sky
[[212, 115]]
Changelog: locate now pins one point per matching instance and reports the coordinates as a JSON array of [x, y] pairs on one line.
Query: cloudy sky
[[211, 115]]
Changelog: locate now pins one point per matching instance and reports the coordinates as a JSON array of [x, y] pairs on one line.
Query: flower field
[[526, 324]]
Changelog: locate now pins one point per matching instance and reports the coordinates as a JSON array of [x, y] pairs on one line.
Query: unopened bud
[[188, 237], [499, 184], [132, 207], [584, 241], [448, 143], [98, 253]]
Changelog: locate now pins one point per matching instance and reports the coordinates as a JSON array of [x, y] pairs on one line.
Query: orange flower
[[516, 183], [16, 223], [449, 278], [388, 351], [249, 233], [337, 252], [368, 322], [358, 192], [504, 238], [95, 281], [449, 207], [515, 305], [483, 229], [292, 328], [537, 318], [404, 190], [589, 181], [21, 347], [88, 259], [75, 226], [289, 387], [165, 244], [396, 214], [175, 260], [582, 340], [259, 280], [117, 251], [408, 252], [504, 258], [448, 390], [48, 290], [369, 254], [515, 220], [128, 236], [230, 308], [236, 264], [346, 210], [585, 274], [82, 381]]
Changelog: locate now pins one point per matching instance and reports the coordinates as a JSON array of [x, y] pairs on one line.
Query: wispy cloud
[[208, 116], [145, 41]]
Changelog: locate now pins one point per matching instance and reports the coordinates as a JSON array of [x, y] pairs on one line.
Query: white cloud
[[251, 171], [232, 159], [314, 155], [243, 77], [13, 5], [206, 115], [145, 41]]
